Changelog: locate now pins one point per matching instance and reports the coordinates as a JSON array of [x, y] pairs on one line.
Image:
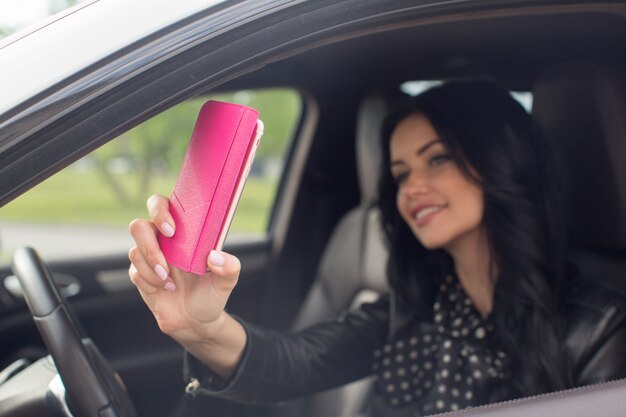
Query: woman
[[480, 290]]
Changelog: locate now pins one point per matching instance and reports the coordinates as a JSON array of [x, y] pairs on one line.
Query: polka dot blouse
[[439, 369]]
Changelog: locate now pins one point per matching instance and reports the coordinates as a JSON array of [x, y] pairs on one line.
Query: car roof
[[57, 48]]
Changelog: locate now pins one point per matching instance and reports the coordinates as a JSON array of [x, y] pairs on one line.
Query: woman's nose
[[416, 184]]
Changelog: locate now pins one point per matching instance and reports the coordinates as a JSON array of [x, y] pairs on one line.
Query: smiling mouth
[[423, 215]]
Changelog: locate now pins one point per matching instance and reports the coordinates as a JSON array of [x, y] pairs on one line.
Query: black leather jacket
[[278, 366]]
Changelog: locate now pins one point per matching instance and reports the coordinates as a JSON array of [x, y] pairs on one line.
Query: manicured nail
[[169, 287], [167, 229], [161, 272], [216, 258]]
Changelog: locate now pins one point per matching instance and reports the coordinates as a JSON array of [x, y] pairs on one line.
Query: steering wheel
[[92, 387]]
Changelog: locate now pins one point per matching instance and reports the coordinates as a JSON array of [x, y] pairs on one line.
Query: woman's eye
[[437, 160], [399, 178]]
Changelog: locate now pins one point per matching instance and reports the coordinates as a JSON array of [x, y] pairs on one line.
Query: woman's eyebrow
[[428, 145], [397, 162], [420, 151]]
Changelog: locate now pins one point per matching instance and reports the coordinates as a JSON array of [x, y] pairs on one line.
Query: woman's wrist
[[210, 332], [219, 345], [201, 333]]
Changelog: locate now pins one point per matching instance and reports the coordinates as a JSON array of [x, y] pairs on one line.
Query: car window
[[84, 210], [415, 87]]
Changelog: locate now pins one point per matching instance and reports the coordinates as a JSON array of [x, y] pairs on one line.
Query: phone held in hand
[[210, 182]]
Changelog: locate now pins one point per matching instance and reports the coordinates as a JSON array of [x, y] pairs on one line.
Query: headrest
[[582, 109], [368, 142]]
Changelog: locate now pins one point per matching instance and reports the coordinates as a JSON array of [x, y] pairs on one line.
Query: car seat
[[582, 109], [352, 267]]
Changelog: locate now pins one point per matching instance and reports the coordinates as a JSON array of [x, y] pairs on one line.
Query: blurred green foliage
[[157, 146], [78, 196]]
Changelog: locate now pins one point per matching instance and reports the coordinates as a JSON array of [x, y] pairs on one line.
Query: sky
[[17, 14]]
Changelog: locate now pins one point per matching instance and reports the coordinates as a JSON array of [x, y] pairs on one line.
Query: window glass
[[84, 210], [413, 88]]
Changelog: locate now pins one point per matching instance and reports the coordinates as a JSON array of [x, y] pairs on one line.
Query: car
[[322, 73]]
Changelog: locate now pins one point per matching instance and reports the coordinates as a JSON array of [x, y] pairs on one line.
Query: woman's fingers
[[154, 276], [142, 284], [224, 269], [147, 256], [159, 210]]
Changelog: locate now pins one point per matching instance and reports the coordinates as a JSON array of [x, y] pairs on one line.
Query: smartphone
[[210, 181]]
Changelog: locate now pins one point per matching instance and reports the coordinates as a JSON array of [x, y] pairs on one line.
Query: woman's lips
[[424, 214]]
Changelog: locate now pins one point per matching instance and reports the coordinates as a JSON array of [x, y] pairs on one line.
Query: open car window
[[84, 210]]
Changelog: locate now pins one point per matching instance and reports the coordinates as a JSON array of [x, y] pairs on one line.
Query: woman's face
[[440, 204]]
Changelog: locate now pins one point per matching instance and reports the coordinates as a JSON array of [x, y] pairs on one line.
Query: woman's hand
[[187, 307]]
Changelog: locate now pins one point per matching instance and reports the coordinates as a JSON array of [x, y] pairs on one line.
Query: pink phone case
[[210, 181]]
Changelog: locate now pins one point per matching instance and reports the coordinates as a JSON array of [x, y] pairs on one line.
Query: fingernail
[[169, 287], [216, 258], [167, 229], [161, 272]]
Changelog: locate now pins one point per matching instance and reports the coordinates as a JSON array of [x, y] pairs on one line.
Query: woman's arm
[[229, 357], [597, 337], [187, 307], [282, 366]]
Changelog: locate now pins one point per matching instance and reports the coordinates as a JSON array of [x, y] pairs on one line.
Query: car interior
[[324, 251]]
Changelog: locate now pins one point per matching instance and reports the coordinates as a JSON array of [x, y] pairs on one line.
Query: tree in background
[[156, 147]]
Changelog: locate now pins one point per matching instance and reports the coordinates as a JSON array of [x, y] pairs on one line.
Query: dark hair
[[486, 130]]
